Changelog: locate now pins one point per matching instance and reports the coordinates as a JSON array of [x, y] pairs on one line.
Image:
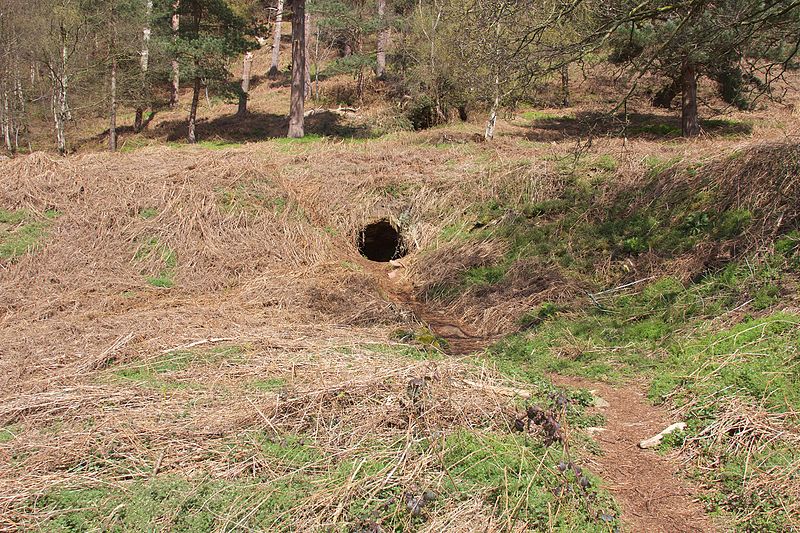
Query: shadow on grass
[[254, 127], [548, 128]]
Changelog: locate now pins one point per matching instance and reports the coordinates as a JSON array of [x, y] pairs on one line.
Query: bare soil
[[646, 484]]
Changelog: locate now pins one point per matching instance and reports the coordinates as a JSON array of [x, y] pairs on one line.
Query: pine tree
[[731, 41], [211, 33]]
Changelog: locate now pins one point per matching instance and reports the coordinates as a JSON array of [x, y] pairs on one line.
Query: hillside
[[191, 340], [390, 266]]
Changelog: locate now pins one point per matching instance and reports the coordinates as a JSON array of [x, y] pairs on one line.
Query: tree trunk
[[112, 126], [489, 133], [192, 138], [316, 65], [176, 74], [383, 37], [64, 103], [61, 111], [274, 68], [7, 122], [490, 125], [565, 85], [689, 124], [296, 107], [144, 64], [307, 88], [245, 94], [59, 114]]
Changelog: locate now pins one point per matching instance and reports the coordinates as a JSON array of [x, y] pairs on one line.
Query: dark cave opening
[[381, 241]]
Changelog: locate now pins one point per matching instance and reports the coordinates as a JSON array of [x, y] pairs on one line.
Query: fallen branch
[[503, 391], [341, 111], [197, 343]]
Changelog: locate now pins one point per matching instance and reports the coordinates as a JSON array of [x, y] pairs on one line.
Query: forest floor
[[191, 341]]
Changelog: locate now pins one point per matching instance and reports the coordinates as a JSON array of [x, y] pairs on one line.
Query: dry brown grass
[[755, 435], [263, 238], [104, 381]]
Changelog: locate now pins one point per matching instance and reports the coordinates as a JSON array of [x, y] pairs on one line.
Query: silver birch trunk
[[316, 65], [490, 125], [64, 104], [488, 134], [112, 126], [176, 74], [383, 37], [274, 68], [7, 122], [59, 114], [192, 137], [144, 65]]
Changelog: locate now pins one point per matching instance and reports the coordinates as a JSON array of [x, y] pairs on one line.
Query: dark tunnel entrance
[[380, 241]]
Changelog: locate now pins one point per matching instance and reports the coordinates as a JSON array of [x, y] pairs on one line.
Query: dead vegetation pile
[[764, 441], [216, 227], [342, 426], [488, 310], [186, 311]]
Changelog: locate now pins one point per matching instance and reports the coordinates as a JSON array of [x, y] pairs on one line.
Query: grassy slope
[[733, 329], [721, 331], [720, 347]]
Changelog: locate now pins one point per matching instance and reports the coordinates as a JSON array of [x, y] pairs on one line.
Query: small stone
[[600, 403], [652, 442], [593, 430]]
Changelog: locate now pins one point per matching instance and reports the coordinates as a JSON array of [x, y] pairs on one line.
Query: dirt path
[[652, 495], [647, 485]]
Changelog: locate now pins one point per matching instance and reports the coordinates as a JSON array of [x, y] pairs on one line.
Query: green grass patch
[[605, 163], [147, 213], [155, 372], [521, 480], [152, 250], [9, 433], [535, 116], [485, 275], [756, 360], [216, 144], [22, 232], [270, 385], [173, 504]]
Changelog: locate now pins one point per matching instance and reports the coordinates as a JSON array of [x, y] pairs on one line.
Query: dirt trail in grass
[[647, 486], [652, 495]]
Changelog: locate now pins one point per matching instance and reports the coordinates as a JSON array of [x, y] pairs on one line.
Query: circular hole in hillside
[[380, 241]]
